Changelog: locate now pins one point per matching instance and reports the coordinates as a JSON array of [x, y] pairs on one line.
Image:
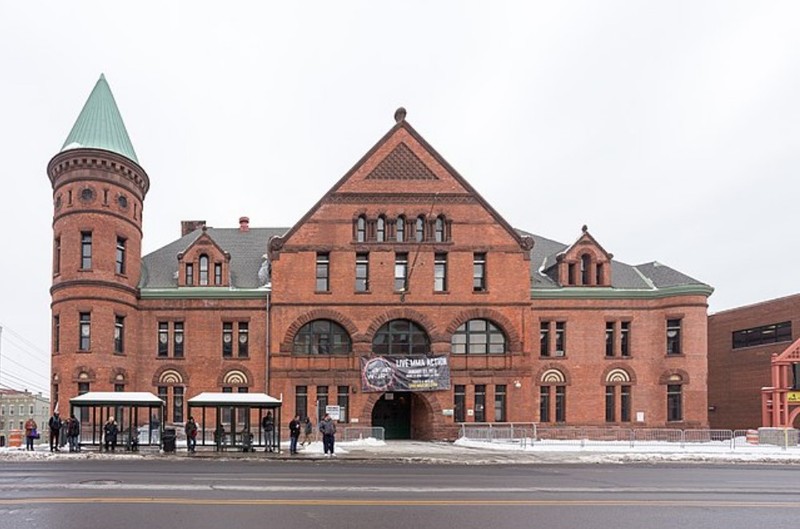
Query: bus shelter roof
[[255, 400], [117, 398]]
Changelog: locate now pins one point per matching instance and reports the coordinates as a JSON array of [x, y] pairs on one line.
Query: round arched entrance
[[403, 415]]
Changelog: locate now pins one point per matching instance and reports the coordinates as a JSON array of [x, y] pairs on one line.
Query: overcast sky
[[669, 128]]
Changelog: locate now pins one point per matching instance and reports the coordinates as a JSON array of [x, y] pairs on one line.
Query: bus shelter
[[233, 420], [139, 416]]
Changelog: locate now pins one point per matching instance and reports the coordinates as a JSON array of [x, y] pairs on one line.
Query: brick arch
[[171, 367], [317, 314], [433, 405], [664, 379], [404, 314], [116, 372], [553, 366], [608, 371], [231, 370], [506, 325], [91, 376]]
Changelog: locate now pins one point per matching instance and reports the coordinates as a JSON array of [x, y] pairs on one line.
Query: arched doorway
[[393, 412], [404, 415]]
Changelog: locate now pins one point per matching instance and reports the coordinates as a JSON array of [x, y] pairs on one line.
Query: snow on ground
[[465, 451]]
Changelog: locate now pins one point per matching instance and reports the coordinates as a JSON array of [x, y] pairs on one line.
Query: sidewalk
[[461, 452]]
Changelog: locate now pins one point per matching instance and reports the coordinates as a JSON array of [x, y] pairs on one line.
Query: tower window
[[85, 331], [86, 250], [120, 264], [119, 334], [203, 270]]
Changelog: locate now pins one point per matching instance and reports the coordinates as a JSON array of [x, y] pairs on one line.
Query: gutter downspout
[[267, 344]]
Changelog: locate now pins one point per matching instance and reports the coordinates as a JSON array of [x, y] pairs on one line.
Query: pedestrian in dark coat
[[308, 431], [294, 434], [73, 427], [110, 430], [328, 430], [55, 424], [191, 434], [268, 424]]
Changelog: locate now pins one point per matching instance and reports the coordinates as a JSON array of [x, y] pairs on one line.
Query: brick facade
[[402, 177], [736, 376]]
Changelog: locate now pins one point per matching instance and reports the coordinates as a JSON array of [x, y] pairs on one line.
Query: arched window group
[[401, 229], [399, 337]]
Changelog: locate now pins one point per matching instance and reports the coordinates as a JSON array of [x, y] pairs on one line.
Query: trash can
[[168, 439]]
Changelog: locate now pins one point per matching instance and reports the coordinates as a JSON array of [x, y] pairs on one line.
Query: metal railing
[[531, 434], [356, 433]]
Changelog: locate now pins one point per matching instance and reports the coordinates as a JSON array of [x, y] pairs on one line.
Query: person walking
[[55, 425], [31, 433], [73, 427], [110, 431], [328, 430], [294, 434], [268, 425], [308, 430], [191, 434]]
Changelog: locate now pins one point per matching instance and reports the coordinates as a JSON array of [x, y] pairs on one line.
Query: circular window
[[122, 200], [87, 194], [226, 338]]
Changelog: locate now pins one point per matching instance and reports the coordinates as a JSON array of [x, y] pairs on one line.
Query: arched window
[[553, 396], [478, 337], [322, 337], [419, 231], [361, 229], [618, 396], [203, 270], [439, 231], [586, 269], [380, 232], [401, 337], [400, 229]]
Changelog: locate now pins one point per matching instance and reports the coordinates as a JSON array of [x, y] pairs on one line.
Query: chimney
[[244, 223], [188, 226]]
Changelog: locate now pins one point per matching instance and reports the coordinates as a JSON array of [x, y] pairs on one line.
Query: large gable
[[403, 168]]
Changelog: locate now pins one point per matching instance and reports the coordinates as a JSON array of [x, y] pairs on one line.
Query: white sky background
[[669, 128]]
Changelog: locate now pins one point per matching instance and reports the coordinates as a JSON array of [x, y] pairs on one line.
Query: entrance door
[[393, 412]]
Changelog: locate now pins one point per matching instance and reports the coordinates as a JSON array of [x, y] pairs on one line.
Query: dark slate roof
[[247, 249], [645, 276]]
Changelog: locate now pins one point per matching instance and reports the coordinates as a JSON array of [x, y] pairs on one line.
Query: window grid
[[85, 330], [120, 255], [478, 337], [479, 272], [227, 340], [86, 250], [401, 272], [322, 337], [362, 272], [674, 337], [459, 403], [674, 402], [343, 401], [500, 403], [401, 337], [480, 403], [178, 339], [323, 272], [244, 339], [203, 276], [440, 272]]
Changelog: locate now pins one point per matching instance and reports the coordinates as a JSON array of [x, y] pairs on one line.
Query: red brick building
[[741, 343], [401, 296]]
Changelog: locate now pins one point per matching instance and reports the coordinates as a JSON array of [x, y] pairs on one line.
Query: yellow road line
[[404, 503]]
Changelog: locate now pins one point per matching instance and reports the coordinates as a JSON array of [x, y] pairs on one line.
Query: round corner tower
[[98, 197]]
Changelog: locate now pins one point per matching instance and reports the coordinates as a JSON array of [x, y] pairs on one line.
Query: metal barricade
[[355, 433]]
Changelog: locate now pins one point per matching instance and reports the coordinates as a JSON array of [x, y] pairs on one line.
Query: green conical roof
[[100, 125]]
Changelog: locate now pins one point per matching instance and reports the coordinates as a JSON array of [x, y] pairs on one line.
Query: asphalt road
[[200, 494]]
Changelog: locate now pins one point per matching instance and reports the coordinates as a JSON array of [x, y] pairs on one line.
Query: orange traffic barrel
[[15, 438]]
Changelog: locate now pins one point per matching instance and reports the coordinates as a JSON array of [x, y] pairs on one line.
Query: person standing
[[268, 424], [110, 430], [191, 435], [328, 430], [30, 433], [308, 429], [55, 425], [73, 427], [294, 434]]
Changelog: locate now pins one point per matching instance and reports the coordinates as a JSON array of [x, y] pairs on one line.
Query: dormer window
[[586, 269], [189, 274], [203, 270]]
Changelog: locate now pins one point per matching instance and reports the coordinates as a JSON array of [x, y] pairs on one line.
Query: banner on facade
[[405, 373]]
